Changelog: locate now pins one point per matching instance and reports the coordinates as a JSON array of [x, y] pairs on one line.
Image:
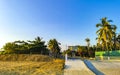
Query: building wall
[[73, 48]]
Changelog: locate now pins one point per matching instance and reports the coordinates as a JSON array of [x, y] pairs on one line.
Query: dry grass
[[25, 57], [51, 67]]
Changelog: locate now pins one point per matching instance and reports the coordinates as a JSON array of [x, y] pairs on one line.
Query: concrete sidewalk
[[76, 67]]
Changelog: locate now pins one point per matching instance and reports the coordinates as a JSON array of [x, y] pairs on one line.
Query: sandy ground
[[30, 68], [76, 67], [108, 67]]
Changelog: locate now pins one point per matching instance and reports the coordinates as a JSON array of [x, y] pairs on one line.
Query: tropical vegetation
[[54, 47], [106, 33], [36, 46]]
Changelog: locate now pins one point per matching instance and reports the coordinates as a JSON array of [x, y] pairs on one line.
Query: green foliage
[[81, 51], [36, 46], [68, 51], [88, 42], [54, 47], [105, 34]]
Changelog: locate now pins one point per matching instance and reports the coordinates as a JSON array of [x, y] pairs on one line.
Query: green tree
[[22, 45], [79, 50], [54, 47], [106, 33], [10, 47], [38, 46], [68, 51]]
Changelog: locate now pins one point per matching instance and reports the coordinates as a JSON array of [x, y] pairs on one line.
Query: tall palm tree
[[105, 33], [53, 46], [88, 45], [88, 42]]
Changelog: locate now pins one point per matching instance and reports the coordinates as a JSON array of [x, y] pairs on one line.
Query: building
[[73, 48]]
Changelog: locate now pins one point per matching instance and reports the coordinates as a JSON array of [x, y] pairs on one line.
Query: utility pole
[[66, 57]]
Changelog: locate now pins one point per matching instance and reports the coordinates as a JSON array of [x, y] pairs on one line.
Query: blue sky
[[69, 21]]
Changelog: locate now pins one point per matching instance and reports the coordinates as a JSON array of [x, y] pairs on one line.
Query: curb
[[92, 68]]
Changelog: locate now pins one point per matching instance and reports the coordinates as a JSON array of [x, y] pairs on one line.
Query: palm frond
[[110, 20], [99, 25]]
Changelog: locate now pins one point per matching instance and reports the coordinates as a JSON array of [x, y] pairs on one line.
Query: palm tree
[[88, 42], [22, 45], [105, 33], [53, 46], [37, 45], [88, 45]]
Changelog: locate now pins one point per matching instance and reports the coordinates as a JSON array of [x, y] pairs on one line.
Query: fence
[[102, 55]]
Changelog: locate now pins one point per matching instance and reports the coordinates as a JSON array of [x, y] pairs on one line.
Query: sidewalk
[[76, 67]]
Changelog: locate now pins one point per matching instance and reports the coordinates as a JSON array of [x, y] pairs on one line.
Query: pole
[[66, 57]]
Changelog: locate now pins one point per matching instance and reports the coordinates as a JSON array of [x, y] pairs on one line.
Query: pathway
[[76, 67]]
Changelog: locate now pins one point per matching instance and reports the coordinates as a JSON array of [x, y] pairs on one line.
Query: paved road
[[76, 67], [108, 67]]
